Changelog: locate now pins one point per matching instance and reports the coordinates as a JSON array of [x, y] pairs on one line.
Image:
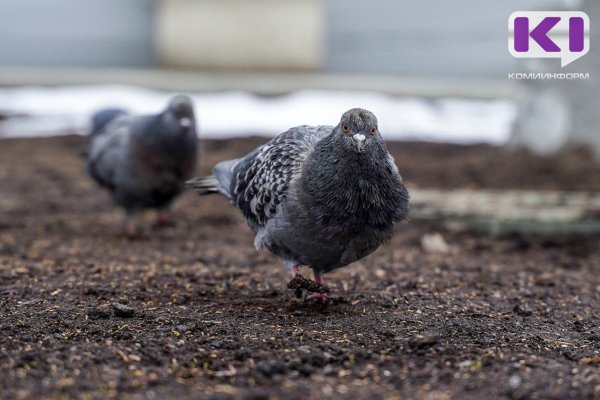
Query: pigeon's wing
[[106, 152], [260, 181], [103, 117]]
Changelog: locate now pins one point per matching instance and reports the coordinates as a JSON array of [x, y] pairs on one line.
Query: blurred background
[[430, 70]]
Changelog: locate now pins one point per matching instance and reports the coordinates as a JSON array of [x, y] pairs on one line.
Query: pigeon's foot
[[131, 229], [322, 297], [163, 220], [316, 290]]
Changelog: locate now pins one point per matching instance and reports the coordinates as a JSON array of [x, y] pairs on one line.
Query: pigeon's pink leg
[[163, 219], [322, 297], [131, 227], [319, 279], [294, 269]]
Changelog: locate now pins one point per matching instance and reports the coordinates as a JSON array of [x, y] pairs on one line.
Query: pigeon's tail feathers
[[223, 173], [220, 182], [204, 185], [102, 118]]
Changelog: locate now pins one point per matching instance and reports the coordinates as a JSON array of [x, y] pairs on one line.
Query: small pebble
[[434, 243], [514, 381], [122, 310], [423, 341], [523, 310], [97, 313]]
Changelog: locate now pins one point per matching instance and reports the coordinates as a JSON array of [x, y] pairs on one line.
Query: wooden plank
[[505, 211]]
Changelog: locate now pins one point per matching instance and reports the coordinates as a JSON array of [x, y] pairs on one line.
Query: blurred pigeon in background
[[319, 196], [103, 117], [144, 160]]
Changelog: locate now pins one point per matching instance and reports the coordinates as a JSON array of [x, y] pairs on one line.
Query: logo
[[549, 34]]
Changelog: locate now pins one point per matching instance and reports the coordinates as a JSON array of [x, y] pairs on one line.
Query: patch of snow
[[54, 111]]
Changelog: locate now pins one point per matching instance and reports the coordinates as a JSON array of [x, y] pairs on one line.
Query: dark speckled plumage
[[319, 196], [144, 160]]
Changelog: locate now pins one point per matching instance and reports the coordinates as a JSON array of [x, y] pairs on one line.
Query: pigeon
[[143, 161], [316, 196]]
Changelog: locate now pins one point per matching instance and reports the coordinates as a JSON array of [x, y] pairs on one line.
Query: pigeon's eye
[[373, 131], [345, 128]]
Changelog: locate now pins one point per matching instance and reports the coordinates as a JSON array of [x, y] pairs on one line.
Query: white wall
[[240, 34]]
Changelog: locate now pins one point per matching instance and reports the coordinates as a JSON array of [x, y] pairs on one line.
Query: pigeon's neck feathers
[[150, 128], [336, 160], [360, 188], [161, 133]]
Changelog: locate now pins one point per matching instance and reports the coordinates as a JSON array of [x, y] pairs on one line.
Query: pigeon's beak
[[185, 122], [359, 142]]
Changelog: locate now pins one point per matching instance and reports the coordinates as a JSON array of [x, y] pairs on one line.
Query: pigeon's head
[[359, 129], [179, 114], [174, 128]]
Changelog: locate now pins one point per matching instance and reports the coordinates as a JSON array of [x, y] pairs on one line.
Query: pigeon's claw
[[322, 297]]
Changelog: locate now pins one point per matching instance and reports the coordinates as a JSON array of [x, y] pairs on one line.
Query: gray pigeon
[[318, 196], [144, 160]]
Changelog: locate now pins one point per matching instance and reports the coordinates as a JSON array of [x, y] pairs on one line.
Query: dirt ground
[[193, 311]]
